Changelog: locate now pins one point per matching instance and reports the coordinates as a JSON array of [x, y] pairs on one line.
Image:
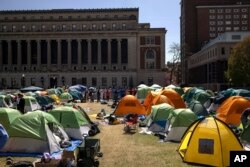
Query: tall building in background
[[93, 47], [202, 21]]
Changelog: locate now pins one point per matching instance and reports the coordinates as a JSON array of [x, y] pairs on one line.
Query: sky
[[159, 13]]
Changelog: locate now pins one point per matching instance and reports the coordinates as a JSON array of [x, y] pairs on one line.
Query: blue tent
[[31, 89], [78, 87]]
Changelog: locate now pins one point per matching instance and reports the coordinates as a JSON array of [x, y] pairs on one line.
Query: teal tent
[[198, 108]]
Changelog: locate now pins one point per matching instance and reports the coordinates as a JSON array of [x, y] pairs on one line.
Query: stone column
[[79, 53], [59, 55], [9, 53], [1, 55], [19, 59], [29, 53], [119, 42], [48, 54], [109, 53], [99, 42], [69, 54], [38, 53], [89, 53]]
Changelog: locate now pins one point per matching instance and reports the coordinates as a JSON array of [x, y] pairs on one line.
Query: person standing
[[21, 103]]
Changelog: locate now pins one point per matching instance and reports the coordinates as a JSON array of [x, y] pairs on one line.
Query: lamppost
[[23, 80], [54, 81]]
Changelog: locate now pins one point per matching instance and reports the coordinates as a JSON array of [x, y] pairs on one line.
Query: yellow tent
[[129, 104], [208, 141]]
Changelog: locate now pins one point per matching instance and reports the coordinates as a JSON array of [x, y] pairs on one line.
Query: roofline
[[70, 10]]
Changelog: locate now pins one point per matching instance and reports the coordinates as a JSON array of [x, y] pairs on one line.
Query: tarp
[[208, 141], [31, 89]]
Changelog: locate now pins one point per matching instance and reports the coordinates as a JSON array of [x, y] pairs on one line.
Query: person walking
[[20, 103]]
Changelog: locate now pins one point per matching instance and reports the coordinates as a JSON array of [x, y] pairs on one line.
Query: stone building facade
[[209, 65], [93, 47]]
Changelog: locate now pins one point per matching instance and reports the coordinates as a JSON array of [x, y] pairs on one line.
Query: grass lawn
[[127, 149]]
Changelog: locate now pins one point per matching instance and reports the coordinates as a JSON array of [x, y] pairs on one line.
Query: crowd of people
[[107, 94]]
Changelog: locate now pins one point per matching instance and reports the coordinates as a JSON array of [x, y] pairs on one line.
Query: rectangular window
[[220, 10], [228, 28], [228, 10], [212, 17], [211, 11], [150, 40], [236, 37], [124, 81], [212, 23], [220, 17], [104, 82], [228, 16], [150, 81], [244, 16], [244, 22], [33, 81], [244, 10], [74, 81], [114, 81], [84, 81], [222, 50], [94, 81], [236, 10], [206, 146]]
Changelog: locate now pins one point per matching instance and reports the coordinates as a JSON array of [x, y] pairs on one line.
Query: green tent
[[7, 116], [73, 121], [31, 104], [245, 135], [143, 92], [157, 119], [35, 132], [66, 97], [178, 122], [5, 101]]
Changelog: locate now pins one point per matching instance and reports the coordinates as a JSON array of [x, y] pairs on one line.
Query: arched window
[[150, 59]]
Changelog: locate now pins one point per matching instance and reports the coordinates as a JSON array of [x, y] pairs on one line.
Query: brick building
[[93, 47], [204, 20]]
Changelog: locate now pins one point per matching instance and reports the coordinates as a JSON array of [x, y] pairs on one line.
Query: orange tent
[[231, 109], [154, 98], [174, 97], [129, 104]]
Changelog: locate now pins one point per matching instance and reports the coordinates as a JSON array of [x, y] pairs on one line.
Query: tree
[[175, 50], [239, 64]]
